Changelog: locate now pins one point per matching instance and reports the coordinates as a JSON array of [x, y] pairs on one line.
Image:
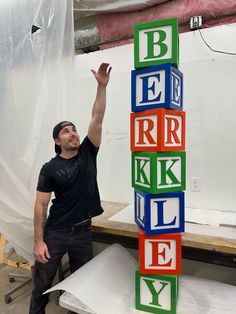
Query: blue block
[[158, 86], [159, 213]]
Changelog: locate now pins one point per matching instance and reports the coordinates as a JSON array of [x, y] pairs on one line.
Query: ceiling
[[85, 18], [101, 24]]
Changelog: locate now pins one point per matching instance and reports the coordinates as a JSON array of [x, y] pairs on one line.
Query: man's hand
[[103, 74], [40, 252]]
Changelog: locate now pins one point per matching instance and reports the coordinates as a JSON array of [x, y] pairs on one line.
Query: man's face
[[68, 138]]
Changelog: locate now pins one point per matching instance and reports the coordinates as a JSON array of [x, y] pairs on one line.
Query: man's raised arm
[[95, 127]]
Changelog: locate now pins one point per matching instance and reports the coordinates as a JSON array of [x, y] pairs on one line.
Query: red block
[[157, 130], [160, 254]]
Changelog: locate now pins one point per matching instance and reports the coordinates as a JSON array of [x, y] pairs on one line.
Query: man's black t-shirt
[[74, 183]]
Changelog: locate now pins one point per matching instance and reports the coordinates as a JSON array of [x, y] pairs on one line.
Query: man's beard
[[72, 147]]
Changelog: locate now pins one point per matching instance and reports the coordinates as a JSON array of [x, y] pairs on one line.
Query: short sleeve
[[86, 142], [44, 181]]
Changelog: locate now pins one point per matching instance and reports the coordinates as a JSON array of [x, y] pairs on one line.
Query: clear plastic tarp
[[36, 55]]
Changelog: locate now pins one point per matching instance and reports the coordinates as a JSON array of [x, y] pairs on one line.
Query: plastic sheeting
[[106, 284], [34, 83]]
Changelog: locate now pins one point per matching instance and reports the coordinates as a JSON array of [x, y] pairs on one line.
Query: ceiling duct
[[87, 37], [86, 33]]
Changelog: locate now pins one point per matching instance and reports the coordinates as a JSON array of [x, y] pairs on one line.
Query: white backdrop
[[209, 101]]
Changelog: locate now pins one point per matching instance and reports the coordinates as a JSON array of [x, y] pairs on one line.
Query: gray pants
[[77, 242]]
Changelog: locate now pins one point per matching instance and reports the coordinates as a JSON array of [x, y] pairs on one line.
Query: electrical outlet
[[195, 22], [195, 185]]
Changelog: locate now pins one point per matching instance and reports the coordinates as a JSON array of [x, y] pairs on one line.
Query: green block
[[156, 42], [160, 172], [156, 293]]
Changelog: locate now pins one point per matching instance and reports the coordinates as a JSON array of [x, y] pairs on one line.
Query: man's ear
[[57, 141]]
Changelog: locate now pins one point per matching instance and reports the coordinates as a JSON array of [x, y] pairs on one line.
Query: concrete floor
[[21, 298]]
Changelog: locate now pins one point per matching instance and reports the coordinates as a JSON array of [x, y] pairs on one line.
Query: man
[[71, 175]]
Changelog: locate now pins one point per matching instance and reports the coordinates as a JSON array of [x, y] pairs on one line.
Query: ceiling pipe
[[87, 37]]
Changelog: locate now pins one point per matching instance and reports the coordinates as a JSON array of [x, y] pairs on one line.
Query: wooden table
[[210, 249]]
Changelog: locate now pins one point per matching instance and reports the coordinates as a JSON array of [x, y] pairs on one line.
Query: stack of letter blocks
[[157, 129]]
